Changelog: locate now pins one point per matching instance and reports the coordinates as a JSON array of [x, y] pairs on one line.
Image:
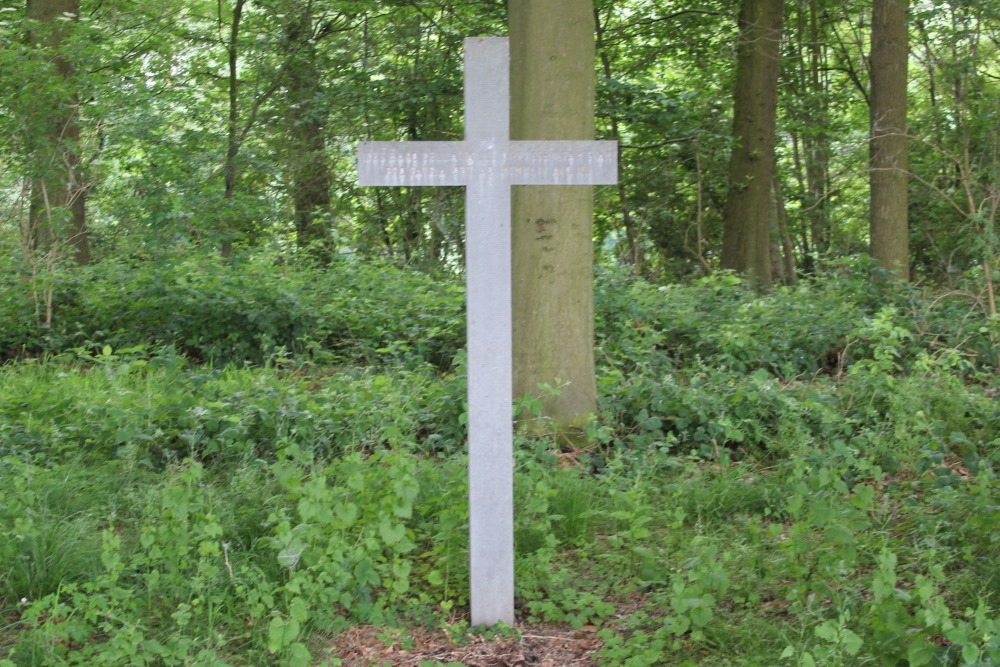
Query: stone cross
[[488, 163]]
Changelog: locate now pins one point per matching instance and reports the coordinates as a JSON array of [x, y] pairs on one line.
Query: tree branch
[[671, 17]]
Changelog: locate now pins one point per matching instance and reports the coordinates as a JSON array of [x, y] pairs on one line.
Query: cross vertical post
[[489, 341], [488, 163]]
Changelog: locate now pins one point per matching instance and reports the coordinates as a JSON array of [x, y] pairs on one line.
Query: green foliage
[[714, 364], [154, 127], [161, 408], [822, 494], [242, 313], [212, 463], [790, 331], [195, 563], [49, 535]]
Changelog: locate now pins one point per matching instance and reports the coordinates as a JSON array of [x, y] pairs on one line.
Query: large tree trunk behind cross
[[552, 97]]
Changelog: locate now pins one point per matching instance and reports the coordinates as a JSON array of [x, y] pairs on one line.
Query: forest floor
[[533, 645]]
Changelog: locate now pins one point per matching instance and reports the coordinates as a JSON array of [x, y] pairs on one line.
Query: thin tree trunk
[[787, 250], [747, 213], [310, 171], [233, 138], [57, 212], [931, 64], [411, 224], [817, 142], [552, 90], [632, 230], [804, 236], [888, 148]]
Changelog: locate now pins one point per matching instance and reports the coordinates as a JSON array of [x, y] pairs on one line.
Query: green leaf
[[281, 634], [652, 424], [347, 514], [807, 660], [298, 610], [406, 491], [298, 656], [864, 496], [840, 534], [970, 654], [391, 533], [678, 625], [827, 631], [700, 616], [401, 575], [920, 652], [366, 574], [851, 641]]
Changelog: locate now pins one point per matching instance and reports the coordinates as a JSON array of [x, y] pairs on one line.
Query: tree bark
[[889, 226], [787, 248], [816, 138], [552, 97], [632, 230], [232, 130], [748, 210], [310, 172], [58, 194]]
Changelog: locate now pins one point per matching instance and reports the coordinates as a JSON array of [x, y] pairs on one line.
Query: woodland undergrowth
[[230, 464]]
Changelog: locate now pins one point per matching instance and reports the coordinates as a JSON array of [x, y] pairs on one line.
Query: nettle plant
[[188, 570]]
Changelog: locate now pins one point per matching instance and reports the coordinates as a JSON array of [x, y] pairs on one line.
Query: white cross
[[488, 163]]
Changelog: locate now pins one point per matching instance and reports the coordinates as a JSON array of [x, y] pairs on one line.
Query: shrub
[[248, 312]]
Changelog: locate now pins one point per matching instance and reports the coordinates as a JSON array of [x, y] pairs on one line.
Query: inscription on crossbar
[[518, 163]]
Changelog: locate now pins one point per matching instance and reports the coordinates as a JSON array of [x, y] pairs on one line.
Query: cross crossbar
[[467, 163]]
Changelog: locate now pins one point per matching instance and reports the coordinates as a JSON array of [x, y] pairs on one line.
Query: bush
[[821, 325], [161, 409], [239, 313]]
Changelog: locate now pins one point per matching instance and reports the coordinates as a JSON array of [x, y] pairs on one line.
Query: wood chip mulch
[[367, 646]]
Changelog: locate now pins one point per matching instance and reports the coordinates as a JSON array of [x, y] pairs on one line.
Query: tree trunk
[[552, 97], [816, 139], [748, 210], [888, 148], [233, 131], [783, 238], [310, 172], [632, 231], [58, 203]]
